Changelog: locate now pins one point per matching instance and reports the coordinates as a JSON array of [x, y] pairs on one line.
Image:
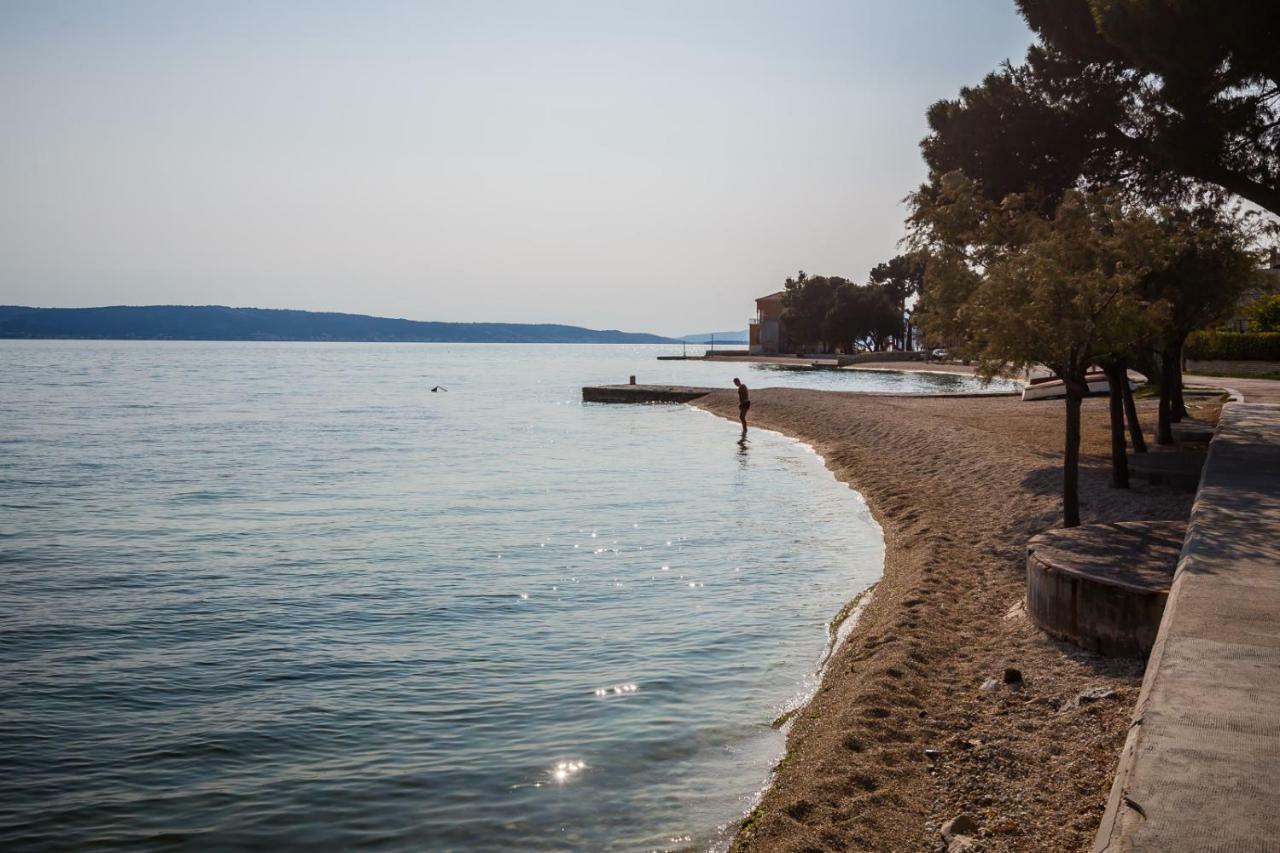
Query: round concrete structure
[[1103, 586]]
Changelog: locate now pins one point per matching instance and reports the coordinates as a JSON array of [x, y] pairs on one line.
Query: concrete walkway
[[1252, 390], [1201, 767]]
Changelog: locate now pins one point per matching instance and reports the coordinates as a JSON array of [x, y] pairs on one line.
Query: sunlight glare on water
[[281, 594]]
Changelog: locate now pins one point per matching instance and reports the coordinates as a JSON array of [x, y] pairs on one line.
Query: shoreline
[[845, 621], [839, 628], [957, 486]]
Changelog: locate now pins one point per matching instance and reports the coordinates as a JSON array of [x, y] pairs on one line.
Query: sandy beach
[[902, 736]]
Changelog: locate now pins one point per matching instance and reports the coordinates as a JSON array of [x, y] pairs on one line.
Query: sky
[[647, 166]]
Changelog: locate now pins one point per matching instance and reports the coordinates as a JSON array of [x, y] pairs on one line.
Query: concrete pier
[[642, 393], [1201, 767]]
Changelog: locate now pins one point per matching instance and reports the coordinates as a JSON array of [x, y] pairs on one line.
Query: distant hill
[[739, 337], [219, 323]]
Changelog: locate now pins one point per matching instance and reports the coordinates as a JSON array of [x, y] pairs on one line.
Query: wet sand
[[958, 485]]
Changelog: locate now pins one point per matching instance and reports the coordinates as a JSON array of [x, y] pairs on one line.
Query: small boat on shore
[[1053, 388]]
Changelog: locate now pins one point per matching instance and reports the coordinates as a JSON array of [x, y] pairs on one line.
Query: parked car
[[938, 354]]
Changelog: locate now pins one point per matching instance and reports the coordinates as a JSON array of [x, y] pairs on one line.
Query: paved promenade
[[1201, 767], [1251, 389]]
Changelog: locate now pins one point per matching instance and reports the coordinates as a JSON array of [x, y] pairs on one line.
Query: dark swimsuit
[[743, 402]]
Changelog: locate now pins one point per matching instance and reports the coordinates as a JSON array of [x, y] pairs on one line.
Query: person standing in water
[[744, 403]]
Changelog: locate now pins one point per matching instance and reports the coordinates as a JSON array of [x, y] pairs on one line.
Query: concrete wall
[[770, 336]]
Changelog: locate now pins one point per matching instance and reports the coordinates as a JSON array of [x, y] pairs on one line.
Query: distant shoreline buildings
[[767, 333]]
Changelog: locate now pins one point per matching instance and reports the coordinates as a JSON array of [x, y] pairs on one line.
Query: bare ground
[[958, 485]]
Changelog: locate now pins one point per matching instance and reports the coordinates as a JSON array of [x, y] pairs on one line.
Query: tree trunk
[[1178, 409], [1147, 362], [1164, 425], [1131, 414], [1116, 380], [1071, 458]]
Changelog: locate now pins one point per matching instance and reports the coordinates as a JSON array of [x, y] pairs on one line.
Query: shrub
[[1233, 346], [1264, 314]]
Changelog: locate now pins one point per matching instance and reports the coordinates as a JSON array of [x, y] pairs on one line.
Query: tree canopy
[[1019, 289], [1264, 313], [900, 276], [1022, 289], [862, 316], [1164, 98], [1211, 270], [805, 302], [835, 313]]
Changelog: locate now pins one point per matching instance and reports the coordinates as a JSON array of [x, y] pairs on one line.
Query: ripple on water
[[302, 606]]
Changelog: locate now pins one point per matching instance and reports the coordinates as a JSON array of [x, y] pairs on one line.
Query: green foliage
[[1264, 313], [1029, 129], [833, 312], [751, 822], [861, 315], [1195, 48], [805, 304], [1233, 346], [1062, 292], [1162, 97], [900, 277], [1020, 288], [1204, 264], [1212, 268]]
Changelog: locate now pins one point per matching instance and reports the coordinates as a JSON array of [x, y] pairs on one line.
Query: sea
[[285, 595]]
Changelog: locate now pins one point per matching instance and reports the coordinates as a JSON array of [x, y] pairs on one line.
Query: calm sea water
[[263, 595]]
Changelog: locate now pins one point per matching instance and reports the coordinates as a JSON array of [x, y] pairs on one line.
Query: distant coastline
[[736, 337], [221, 323]]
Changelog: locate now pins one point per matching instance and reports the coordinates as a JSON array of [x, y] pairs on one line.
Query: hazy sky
[[649, 165]]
